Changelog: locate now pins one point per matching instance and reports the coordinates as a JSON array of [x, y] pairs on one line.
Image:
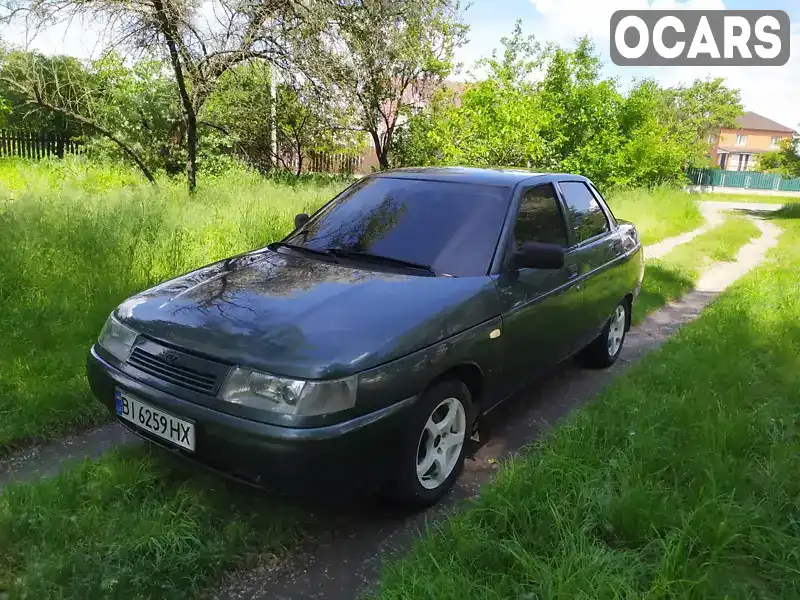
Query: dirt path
[[348, 548], [714, 215]]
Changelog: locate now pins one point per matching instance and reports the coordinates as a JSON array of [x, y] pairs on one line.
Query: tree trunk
[[381, 150], [191, 150], [169, 30]]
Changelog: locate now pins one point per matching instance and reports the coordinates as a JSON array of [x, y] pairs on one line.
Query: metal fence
[[37, 145], [749, 180]]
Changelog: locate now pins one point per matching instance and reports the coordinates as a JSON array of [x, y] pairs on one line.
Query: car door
[[595, 246], [539, 306]]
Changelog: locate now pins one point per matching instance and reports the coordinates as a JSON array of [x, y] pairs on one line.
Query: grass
[[678, 481], [133, 525], [708, 197], [675, 274], [77, 239], [658, 213]]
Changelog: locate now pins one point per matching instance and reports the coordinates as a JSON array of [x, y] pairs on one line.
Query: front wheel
[[433, 456], [605, 349]]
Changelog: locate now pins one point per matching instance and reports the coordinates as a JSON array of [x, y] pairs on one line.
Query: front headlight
[[117, 339], [288, 396]]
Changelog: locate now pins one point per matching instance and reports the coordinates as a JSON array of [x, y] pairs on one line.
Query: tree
[[136, 102], [573, 119], [785, 162], [496, 123], [699, 110], [18, 69], [582, 130], [384, 57], [200, 41], [62, 85]]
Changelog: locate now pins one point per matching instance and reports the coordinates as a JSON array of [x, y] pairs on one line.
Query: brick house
[[738, 149]]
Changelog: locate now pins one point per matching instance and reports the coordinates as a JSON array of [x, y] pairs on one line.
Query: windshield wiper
[[325, 253], [381, 260]]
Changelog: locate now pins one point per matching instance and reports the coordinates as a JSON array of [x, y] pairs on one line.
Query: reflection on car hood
[[305, 318]]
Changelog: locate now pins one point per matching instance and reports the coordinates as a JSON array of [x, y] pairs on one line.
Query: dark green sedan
[[362, 350]]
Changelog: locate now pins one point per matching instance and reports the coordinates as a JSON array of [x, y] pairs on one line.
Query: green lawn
[[134, 524], [675, 274], [77, 240], [658, 213], [679, 481], [747, 198]]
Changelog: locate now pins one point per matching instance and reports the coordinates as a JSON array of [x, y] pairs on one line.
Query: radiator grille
[[181, 375]]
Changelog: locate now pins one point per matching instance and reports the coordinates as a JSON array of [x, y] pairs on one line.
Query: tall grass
[[658, 213], [76, 239]]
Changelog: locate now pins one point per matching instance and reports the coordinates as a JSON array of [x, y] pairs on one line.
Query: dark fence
[[325, 163], [37, 145], [749, 180]]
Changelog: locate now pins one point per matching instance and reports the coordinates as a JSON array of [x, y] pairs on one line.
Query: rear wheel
[[433, 456], [605, 349]]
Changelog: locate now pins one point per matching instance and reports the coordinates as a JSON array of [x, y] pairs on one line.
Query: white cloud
[[565, 20]]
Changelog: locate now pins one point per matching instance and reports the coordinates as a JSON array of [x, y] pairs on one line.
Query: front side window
[[585, 213], [451, 227], [774, 141], [540, 218], [741, 140]]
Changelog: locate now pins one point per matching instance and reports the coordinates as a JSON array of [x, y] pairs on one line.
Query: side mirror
[[534, 255], [300, 220]]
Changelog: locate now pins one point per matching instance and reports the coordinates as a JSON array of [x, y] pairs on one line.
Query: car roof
[[503, 177]]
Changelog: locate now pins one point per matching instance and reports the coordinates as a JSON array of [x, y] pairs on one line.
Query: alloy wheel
[[616, 330], [440, 443]]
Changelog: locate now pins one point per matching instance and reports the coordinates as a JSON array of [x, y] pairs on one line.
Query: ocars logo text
[[699, 37]]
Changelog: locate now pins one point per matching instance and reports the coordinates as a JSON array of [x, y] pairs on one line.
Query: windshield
[[451, 227]]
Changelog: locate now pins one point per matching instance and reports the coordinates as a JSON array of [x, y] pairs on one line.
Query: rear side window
[[585, 213], [540, 218]]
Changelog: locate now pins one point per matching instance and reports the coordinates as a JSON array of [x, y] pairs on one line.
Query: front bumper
[[360, 454]]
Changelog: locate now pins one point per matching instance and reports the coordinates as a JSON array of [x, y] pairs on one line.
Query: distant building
[[738, 149]]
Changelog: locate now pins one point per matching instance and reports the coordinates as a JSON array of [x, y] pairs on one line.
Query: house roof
[[741, 150], [751, 120]]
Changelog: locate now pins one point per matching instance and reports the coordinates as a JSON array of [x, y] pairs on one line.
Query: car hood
[[300, 317]]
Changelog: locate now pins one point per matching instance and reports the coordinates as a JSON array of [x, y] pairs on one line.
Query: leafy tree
[[698, 110], [138, 104], [384, 57], [785, 162], [497, 122], [573, 119], [306, 121], [201, 41], [63, 86], [582, 125], [22, 113]]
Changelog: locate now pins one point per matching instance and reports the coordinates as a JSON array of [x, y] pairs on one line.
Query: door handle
[[572, 271]]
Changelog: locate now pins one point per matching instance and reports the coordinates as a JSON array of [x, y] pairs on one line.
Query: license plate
[[154, 420]]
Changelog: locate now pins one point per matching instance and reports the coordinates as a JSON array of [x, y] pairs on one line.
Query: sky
[[770, 91]]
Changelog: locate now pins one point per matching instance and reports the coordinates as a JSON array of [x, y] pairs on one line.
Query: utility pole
[[273, 115]]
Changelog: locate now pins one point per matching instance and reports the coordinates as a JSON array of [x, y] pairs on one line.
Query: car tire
[[433, 455], [606, 347]]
